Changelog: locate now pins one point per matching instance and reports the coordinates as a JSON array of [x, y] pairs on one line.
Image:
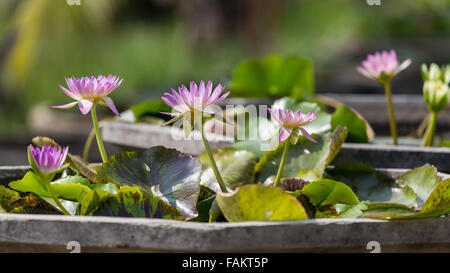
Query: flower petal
[[111, 105], [66, 106], [403, 66], [285, 133], [307, 135], [85, 106]]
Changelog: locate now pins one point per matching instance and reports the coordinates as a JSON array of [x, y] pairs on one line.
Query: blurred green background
[[158, 44]]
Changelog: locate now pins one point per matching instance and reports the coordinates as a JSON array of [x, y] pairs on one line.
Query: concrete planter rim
[[51, 233], [159, 235]]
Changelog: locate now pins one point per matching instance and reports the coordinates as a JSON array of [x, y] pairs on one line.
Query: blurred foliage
[[43, 41]]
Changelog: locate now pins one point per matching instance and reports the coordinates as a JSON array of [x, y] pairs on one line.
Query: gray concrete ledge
[[132, 136], [380, 156], [43, 233]]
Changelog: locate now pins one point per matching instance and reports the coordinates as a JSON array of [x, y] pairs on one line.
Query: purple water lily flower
[[290, 121], [382, 63], [48, 159], [196, 98], [89, 91]]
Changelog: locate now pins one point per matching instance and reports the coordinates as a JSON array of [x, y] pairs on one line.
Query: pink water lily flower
[[48, 159], [290, 120], [87, 91], [196, 98], [384, 64]]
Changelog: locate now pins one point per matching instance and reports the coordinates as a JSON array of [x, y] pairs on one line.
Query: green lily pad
[[164, 173], [422, 181], [386, 210], [328, 192], [236, 168], [131, 202], [84, 168], [274, 76], [203, 208], [304, 155], [260, 203], [371, 185], [357, 130], [66, 188], [351, 211], [7, 196], [33, 204]]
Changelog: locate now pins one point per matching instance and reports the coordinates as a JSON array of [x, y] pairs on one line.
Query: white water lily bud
[[435, 73], [436, 95]]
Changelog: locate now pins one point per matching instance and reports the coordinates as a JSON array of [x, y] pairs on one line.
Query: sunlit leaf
[[328, 192], [422, 181], [260, 203], [236, 168], [304, 155]]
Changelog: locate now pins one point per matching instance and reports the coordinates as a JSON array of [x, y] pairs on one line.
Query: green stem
[[60, 206], [212, 161], [101, 147], [429, 134], [283, 161], [387, 88]]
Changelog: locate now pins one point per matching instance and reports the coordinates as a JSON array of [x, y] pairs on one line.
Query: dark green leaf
[[165, 173], [369, 184], [7, 196], [152, 108], [131, 202]]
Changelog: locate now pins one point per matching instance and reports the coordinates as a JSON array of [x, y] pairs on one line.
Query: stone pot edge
[[174, 236]]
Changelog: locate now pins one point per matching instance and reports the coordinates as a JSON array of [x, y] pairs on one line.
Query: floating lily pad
[[164, 173], [7, 196], [236, 168], [304, 155], [351, 211], [260, 203], [371, 185], [422, 181], [131, 202], [328, 192]]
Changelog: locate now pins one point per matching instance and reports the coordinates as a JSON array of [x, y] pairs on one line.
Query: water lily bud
[[435, 73], [436, 95], [48, 160]]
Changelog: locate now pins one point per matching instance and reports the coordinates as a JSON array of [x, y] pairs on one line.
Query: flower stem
[[429, 134], [101, 147], [60, 206], [283, 161], [387, 88], [213, 162]]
